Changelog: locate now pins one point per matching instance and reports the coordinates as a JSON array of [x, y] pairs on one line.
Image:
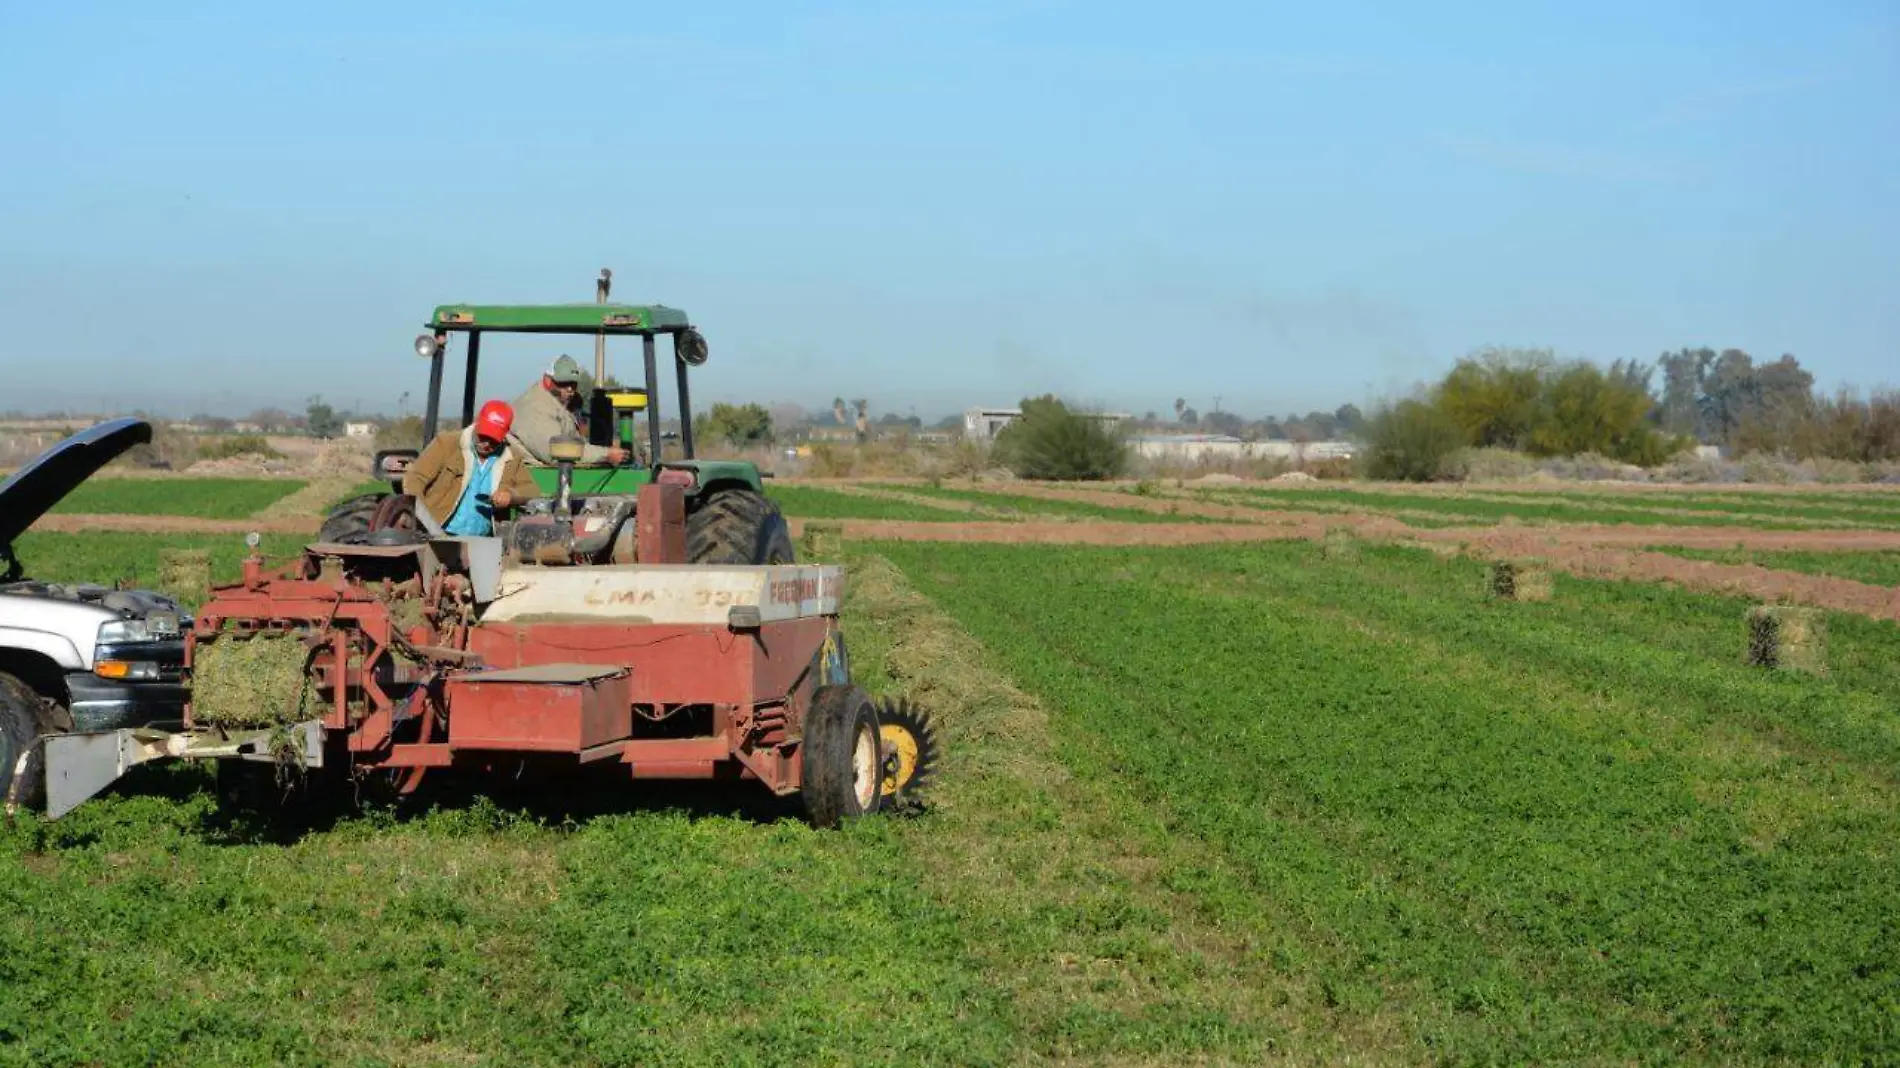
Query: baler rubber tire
[[839, 716], [738, 526], [349, 523], [21, 722]]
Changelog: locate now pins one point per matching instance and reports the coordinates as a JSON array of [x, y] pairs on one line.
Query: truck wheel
[[842, 772], [349, 523], [738, 526], [19, 727]]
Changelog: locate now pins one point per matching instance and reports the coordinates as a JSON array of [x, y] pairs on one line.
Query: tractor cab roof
[[560, 318]]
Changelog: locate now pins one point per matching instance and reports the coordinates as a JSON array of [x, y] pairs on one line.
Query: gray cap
[[565, 369]]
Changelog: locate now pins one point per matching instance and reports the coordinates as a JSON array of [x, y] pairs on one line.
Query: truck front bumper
[[111, 704], [152, 688]]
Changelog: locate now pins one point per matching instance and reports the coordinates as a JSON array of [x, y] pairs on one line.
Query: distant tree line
[[1529, 401]]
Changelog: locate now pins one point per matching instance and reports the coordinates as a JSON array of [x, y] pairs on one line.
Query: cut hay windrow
[[250, 682]]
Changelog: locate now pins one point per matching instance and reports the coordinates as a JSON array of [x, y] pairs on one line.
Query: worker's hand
[[616, 456], [503, 499]]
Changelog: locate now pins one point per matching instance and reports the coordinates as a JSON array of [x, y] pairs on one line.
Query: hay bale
[[1520, 580], [250, 682], [184, 575], [823, 541], [1339, 544], [1787, 638]]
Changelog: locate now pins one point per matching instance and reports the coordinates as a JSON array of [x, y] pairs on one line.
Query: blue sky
[[1285, 206]]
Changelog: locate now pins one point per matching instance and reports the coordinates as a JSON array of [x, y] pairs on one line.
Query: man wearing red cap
[[466, 476]]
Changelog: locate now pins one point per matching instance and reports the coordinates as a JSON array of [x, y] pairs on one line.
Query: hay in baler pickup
[[255, 681]]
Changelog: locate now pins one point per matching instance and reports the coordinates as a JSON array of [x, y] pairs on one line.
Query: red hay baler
[[424, 653]]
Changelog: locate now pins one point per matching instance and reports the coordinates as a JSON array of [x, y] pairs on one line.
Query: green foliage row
[[203, 498], [1573, 831]]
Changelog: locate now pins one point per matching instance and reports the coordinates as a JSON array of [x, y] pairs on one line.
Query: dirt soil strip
[[173, 524]]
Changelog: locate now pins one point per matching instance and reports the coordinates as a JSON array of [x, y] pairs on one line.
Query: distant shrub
[[404, 433], [959, 459], [1413, 441], [1333, 469], [1837, 472], [225, 448], [171, 448], [1052, 442], [1885, 471], [1493, 464], [1593, 467], [1693, 469], [1770, 470]]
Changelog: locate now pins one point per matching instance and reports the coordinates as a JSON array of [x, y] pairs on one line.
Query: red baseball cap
[[494, 421]]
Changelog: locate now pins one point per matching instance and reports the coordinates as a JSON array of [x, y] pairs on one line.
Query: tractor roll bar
[[432, 416]]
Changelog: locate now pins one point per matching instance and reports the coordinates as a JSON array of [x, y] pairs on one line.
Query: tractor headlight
[[427, 346]]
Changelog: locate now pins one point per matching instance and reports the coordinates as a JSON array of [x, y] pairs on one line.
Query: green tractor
[[586, 513]]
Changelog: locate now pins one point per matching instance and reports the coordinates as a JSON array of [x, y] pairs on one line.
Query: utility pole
[[600, 340], [1217, 402]]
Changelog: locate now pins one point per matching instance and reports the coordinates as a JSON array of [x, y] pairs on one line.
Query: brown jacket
[[539, 417], [439, 475]]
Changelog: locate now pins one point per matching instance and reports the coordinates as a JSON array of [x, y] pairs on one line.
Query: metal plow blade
[[78, 766], [911, 752]]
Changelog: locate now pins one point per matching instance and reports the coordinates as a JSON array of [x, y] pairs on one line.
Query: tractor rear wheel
[[842, 774], [349, 523], [20, 725], [738, 526]]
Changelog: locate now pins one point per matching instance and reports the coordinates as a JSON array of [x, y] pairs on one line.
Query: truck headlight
[[126, 670], [124, 630]]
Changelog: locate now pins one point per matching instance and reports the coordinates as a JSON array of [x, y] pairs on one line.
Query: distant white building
[[359, 430], [1194, 448]]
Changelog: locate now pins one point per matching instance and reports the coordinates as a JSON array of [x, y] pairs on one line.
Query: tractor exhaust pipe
[[567, 451], [601, 286]]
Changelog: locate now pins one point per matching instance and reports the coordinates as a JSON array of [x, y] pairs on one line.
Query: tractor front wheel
[[843, 762], [738, 526]]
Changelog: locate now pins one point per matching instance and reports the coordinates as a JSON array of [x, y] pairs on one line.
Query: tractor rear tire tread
[[348, 523], [738, 526]]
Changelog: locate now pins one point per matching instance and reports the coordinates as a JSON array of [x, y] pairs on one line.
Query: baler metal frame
[[674, 671]]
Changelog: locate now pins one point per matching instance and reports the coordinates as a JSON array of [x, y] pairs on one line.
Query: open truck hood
[[36, 488]]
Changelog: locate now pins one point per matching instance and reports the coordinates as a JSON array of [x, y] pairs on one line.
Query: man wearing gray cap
[[547, 410]]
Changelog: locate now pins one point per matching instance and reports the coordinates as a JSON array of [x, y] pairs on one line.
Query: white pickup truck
[[76, 656]]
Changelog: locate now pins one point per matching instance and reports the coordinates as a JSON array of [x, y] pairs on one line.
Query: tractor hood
[[36, 488]]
